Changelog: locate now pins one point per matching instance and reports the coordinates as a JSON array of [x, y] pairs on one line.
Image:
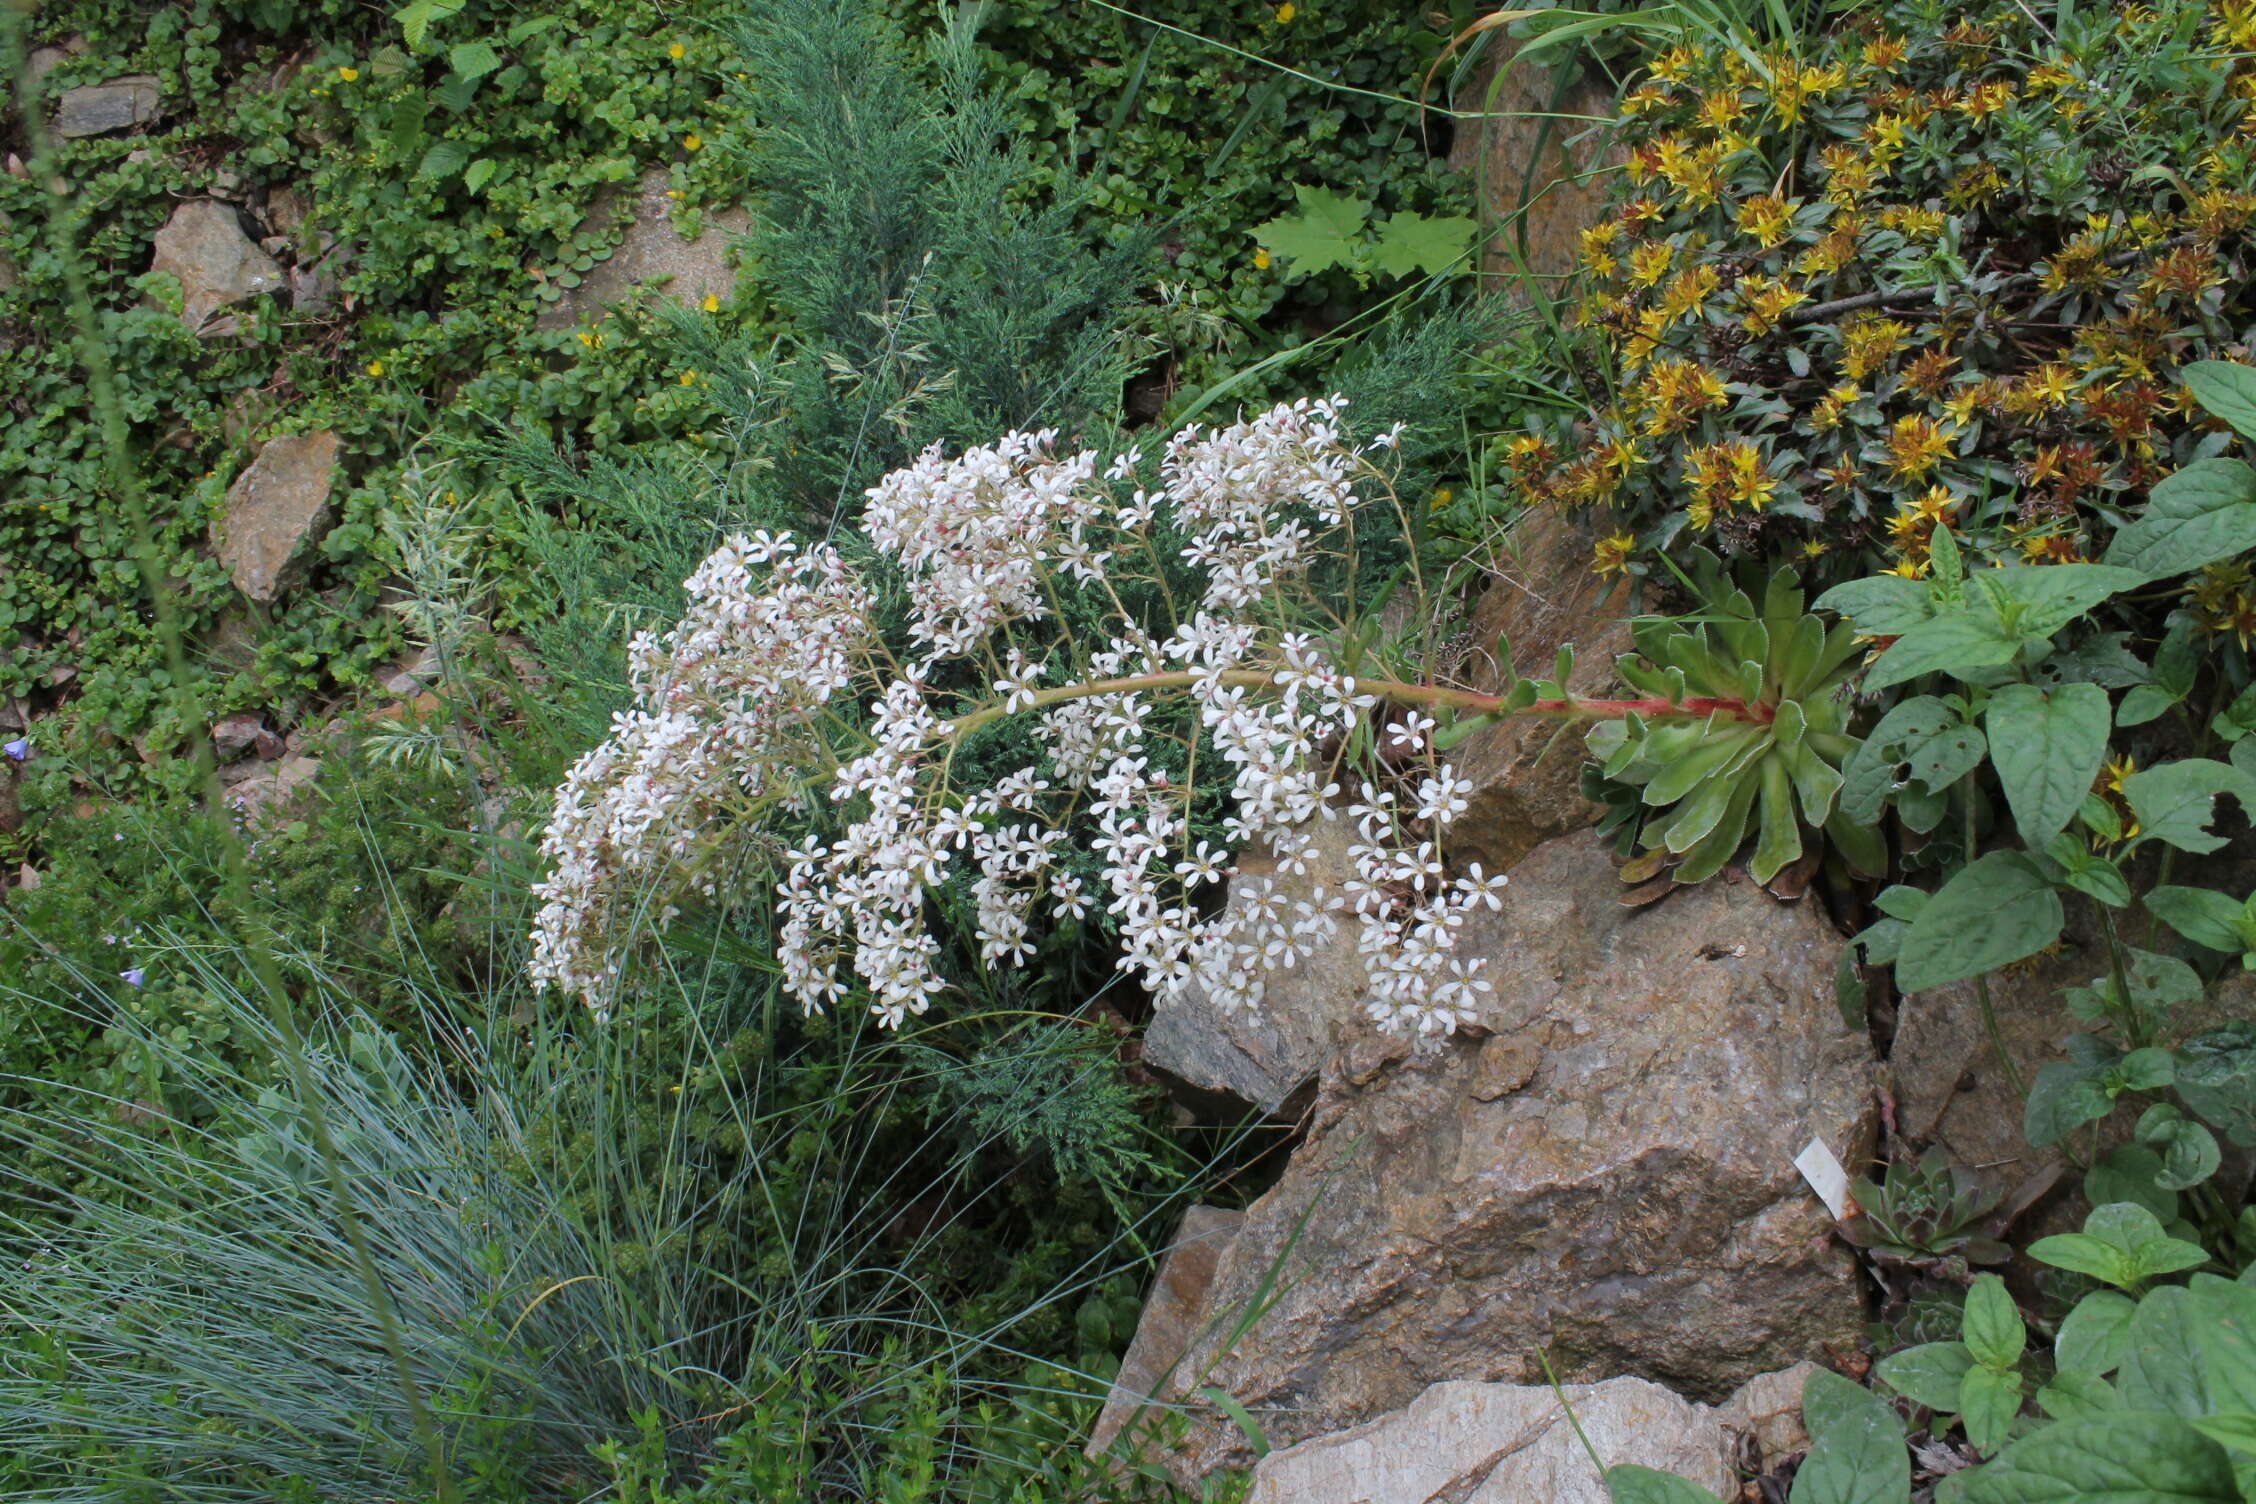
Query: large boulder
[[1526, 778], [276, 511], [1534, 156], [1607, 1177], [654, 254], [204, 246]]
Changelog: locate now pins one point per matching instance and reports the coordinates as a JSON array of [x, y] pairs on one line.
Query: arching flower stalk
[[775, 718]]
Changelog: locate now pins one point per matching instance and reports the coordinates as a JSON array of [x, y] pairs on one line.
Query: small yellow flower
[[1443, 497], [349, 75], [1611, 555], [2117, 770], [677, 52], [712, 302], [375, 368], [689, 378], [693, 142], [1286, 12], [1261, 260], [590, 339], [1813, 548], [674, 193]]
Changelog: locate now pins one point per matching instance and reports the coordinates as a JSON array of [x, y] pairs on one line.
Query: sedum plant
[[1096, 689]]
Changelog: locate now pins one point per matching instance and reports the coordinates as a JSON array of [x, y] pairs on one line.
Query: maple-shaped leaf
[[1413, 242], [1325, 233]]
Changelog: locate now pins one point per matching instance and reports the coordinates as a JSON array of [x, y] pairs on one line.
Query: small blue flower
[[19, 749], [133, 976]]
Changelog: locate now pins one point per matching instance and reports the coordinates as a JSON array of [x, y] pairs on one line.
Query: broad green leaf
[[2062, 1099], [1413, 242], [2071, 1395], [2201, 514], [2216, 1078], [2143, 704], [1928, 1374], [1327, 232], [2161, 1356], [1886, 605], [2092, 1337], [1948, 644], [473, 59], [2202, 915], [2225, 1337], [2238, 719], [478, 174], [1991, 1327], [2175, 801], [2081, 1253], [2236, 1430], [2225, 388], [443, 160], [2108, 1459], [2047, 750], [1995, 911], [2127, 1172], [1857, 1453], [1921, 740], [2049, 596], [1627, 1483], [2189, 1150], [1991, 1398]]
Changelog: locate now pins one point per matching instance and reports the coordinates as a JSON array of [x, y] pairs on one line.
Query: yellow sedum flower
[[1286, 12], [693, 142], [375, 368], [1611, 554], [712, 302], [349, 75], [677, 52]]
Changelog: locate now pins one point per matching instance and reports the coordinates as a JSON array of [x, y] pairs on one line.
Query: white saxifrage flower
[[778, 684]]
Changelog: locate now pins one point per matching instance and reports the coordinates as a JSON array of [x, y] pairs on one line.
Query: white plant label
[[1825, 1176]]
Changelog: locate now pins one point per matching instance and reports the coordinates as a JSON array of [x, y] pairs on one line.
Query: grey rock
[[98, 109], [286, 210], [1169, 1321], [1473, 1443], [276, 510], [654, 254], [203, 244], [414, 675], [1630, 1207]]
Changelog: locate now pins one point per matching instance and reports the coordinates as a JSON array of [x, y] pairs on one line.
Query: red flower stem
[[1430, 695]]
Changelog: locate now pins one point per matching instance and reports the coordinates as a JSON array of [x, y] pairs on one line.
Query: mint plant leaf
[[2227, 389], [2047, 750], [1998, 909], [2200, 514], [1857, 1455]]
